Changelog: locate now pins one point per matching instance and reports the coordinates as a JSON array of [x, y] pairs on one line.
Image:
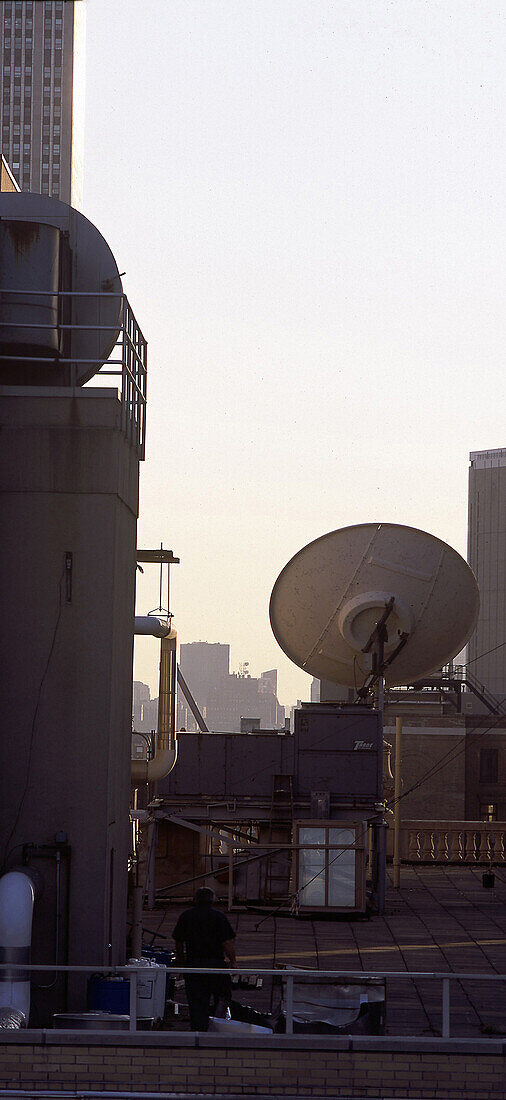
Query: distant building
[[144, 709], [487, 558], [225, 697], [42, 95]]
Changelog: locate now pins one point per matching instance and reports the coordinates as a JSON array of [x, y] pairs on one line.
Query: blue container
[[109, 994]]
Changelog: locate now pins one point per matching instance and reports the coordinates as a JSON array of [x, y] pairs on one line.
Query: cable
[[34, 719], [480, 655], [453, 753]]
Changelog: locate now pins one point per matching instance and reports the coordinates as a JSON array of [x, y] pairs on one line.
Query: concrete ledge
[[163, 1039]]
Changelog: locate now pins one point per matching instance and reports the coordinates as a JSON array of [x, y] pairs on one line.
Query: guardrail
[[128, 355], [287, 977]]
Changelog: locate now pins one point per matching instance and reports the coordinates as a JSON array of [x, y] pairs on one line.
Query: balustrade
[[453, 842]]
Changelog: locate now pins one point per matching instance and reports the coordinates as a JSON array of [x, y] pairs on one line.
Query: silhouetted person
[[204, 936]]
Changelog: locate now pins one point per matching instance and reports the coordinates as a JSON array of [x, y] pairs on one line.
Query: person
[[203, 937]]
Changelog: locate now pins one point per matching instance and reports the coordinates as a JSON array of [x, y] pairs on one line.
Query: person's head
[[204, 896]]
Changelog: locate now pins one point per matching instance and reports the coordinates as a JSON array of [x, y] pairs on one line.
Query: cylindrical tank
[[29, 280]]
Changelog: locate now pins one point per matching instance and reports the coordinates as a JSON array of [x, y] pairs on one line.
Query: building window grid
[[53, 21], [48, 96]]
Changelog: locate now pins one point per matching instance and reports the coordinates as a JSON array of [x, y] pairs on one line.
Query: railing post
[[397, 803], [230, 876], [133, 1001], [446, 1009], [289, 1004]]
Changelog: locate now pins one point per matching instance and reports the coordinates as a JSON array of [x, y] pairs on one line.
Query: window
[[488, 765], [488, 811], [327, 868]]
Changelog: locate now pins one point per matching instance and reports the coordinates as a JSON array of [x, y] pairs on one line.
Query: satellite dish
[[328, 599]]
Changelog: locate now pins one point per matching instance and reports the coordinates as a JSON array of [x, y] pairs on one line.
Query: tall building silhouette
[[42, 94], [226, 697], [487, 558]]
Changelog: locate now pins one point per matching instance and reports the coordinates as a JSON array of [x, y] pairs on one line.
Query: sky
[[308, 200]]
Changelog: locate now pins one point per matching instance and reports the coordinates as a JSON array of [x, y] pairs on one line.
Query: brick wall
[[316, 1066]]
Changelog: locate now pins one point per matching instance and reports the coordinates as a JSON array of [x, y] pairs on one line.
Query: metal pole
[[151, 866], [397, 803], [446, 1009], [289, 1005], [137, 899], [381, 841], [133, 1001], [230, 876]]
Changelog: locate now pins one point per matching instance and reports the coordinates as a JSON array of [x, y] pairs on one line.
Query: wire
[[34, 719], [453, 753], [480, 655]]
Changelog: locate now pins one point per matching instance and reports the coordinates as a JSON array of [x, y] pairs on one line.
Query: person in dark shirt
[[204, 936]]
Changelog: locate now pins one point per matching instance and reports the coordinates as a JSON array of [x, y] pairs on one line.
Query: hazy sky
[[308, 201]]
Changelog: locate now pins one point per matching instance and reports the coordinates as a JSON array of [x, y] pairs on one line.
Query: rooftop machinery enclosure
[[69, 459]]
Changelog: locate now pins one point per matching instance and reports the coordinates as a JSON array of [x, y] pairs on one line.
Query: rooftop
[[441, 919]]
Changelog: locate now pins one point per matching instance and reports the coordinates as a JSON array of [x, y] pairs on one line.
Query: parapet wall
[[185, 1063]]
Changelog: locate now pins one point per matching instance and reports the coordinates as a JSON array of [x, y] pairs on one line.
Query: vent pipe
[[17, 896], [148, 771]]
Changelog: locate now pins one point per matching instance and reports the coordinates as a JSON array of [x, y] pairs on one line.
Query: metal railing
[[128, 356], [287, 978]]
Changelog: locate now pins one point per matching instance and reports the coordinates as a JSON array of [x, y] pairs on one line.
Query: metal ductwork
[[148, 771], [17, 896]]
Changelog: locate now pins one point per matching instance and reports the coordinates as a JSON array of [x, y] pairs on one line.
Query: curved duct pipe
[[17, 896], [147, 771]]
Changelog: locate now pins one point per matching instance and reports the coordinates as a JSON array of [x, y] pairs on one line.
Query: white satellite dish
[[328, 599]]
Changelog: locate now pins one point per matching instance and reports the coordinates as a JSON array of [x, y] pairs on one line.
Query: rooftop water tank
[[61, 298]]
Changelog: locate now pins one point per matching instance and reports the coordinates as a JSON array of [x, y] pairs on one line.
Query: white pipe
[[151, 625], [148, 771], [17, 895]]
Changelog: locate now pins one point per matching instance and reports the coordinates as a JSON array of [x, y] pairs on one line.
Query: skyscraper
[[487, 558], [42, 94]]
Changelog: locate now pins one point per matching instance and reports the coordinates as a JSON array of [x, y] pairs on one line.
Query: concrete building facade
[[41, 95], [69, 496], [486, 655]]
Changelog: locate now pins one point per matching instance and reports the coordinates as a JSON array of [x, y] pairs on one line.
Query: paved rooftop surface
[[441, 919]]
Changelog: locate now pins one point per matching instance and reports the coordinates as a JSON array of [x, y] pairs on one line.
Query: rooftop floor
[[441, 919]]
